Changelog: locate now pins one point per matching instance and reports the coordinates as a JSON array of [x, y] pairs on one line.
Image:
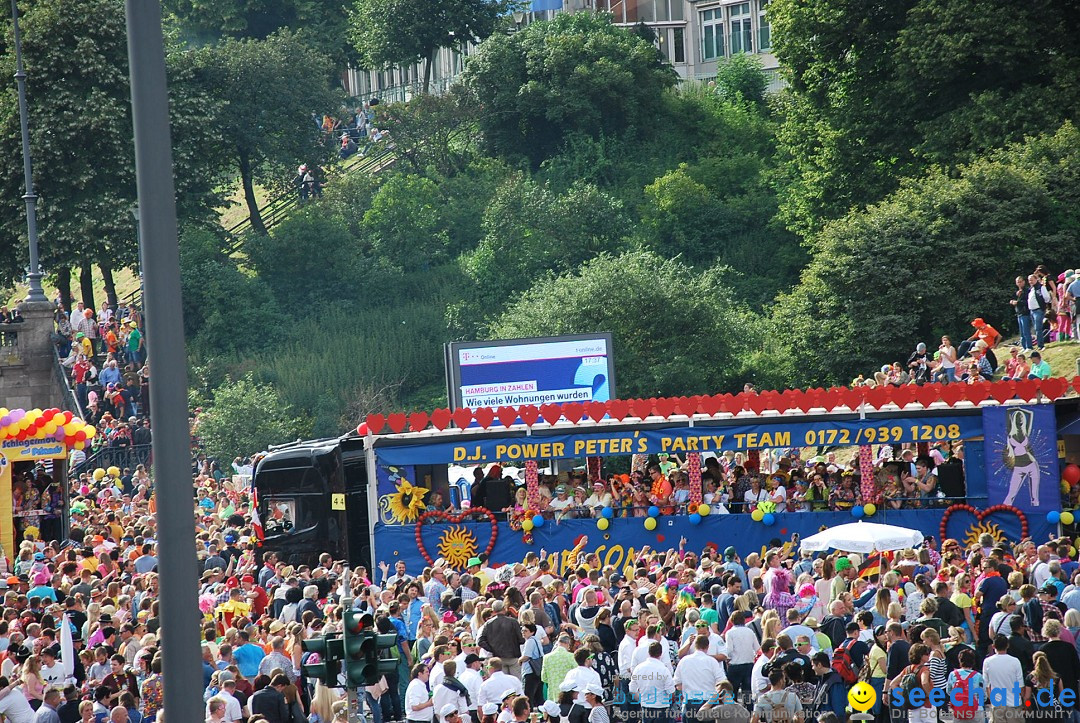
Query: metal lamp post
[[33, 277]]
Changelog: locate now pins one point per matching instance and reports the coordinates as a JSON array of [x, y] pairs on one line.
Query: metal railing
[[70, 401], [122, 457]]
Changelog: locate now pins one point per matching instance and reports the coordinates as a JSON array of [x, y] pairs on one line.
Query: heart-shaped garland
[[980, 515], [454, 519]]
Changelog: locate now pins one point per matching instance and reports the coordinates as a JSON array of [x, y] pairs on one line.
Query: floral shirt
[[153, 696]]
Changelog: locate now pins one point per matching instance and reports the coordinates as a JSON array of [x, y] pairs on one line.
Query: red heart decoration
[[951, 394], [1027, 389], [440, 418], [686, 406], [980, 515], [641, 408], [455, 519], [927, 394], [375, 423], [756, 402], [507, 415], [397, 422], [529, 413], [816, 397], [773, 400], [418, 421], [665, 406], [463, 417], [1053, 387], [1076, 383], [484, 416], [877, 397], [596, 410], [573, 412], [550, 412], [792, 399], [1003, 391], [853, 398], [711, 405], [978, 392], [618, 408], [832, 398], [903, 396]]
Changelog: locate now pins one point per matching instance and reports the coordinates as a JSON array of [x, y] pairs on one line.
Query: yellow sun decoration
[[456, 546], [980, 528]]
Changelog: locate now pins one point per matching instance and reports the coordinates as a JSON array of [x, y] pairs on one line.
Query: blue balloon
[[857, 511], [695, 518], [654, 511], [1053, 517], [769, 519], [538, 521], [607, 513]]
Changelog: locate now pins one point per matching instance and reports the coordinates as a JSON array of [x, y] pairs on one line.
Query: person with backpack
[[967, 690], [914, 687], [831, 693], [777, 705], [850, 655]]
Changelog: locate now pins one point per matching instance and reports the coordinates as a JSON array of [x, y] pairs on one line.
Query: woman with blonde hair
[[896, 613], [322, 704], [961, 598], [32, 682], [882, 601], [1043, 677], [770, 625]]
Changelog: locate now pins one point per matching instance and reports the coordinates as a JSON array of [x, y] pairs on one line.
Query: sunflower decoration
[[456, 546], [407, 504]]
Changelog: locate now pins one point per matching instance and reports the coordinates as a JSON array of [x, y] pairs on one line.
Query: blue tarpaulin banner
[[541, 5], [680, 440], [1021, 457]]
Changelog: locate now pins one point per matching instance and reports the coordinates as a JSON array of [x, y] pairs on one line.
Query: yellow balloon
[[49, 429], [1067, 518], [650, 523], [90, 431], [527, 524], [114, 471], [869, 509], [602, 523], [756, 515], [99, 474], [80, 445], [703, 509]]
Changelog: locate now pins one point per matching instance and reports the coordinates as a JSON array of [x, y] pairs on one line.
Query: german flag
[[876, 563]]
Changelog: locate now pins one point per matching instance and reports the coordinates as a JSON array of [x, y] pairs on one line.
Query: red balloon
[[80, 436], [362, 429], [1071, 473], [68, 416]]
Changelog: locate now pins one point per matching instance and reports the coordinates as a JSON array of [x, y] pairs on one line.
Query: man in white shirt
[[625, 655], [1004, 681], [472, 679], [13, 704], [418, 704], [599, 498], [492, 689], [445, 697], [653, 634], [652, 685], [52, 670], [1040, 573], [561, 502], [759, 682], [582, 675], [234, 712], [696, 676], [742, 650]]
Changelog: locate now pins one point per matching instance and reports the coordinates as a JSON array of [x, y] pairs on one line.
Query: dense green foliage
[[246, 415]]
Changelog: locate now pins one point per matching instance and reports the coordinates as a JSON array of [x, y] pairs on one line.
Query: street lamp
[[33, 278]]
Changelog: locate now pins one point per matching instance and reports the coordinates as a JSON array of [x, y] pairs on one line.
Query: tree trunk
[[63, 285], [257, 224], [427, 71], [110, 285], [86, 286]]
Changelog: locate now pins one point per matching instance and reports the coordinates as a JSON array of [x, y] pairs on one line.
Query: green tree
[[268, 91], [576, 73], [530, 231], [880, 91], [246, 417], [677, 331], [741, 77], [933, 255], [404, 225], [399, 32], [432, 132], [79, 99]]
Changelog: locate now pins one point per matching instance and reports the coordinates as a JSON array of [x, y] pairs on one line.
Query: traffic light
[[331, 651], [360, 651]]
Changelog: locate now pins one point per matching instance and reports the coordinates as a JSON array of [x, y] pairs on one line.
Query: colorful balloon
[[1053, 517], [538, 520], [769, 519], [1071, 473], [695, 518], [870, 509], [757, 515], [654, 511], [527, 524], [1067, 518], [650, 523], [602, 523]]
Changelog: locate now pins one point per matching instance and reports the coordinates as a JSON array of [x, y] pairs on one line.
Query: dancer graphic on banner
[[1020, 456]]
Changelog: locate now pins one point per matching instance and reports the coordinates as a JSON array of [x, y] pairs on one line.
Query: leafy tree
[[881, 91], [932, 256], [399, 32], [576, 73], [404, 224], [79, 98], [677, 331], [268, 90], [432, 132], [530, 231], [741, 77], [246, 417]]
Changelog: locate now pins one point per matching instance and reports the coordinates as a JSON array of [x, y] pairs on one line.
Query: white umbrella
[[863, 537], [67, 648]]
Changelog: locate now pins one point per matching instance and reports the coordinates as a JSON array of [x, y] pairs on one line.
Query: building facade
[[694, 35]]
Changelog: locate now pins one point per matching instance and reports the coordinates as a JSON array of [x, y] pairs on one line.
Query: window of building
[[712, 34], [678, 45], [742, 32], [764, 29]]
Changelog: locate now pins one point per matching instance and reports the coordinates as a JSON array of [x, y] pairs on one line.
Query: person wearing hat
[[488, 712], [551, 710], [599, 498], [594, 698], [562, 502]]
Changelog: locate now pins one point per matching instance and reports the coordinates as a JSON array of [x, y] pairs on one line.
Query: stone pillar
[[27, 377]]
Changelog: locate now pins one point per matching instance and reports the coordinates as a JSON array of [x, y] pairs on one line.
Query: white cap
[[595, 690], [567, 685], [506, 693], [447, 710], [551, 708], [489, 708]]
